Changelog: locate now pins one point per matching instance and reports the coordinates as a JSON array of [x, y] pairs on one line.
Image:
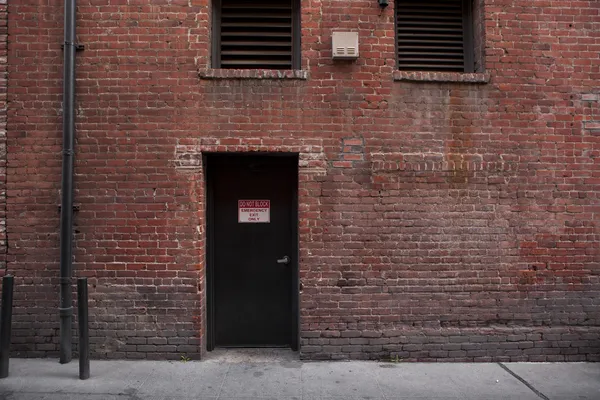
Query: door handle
[[285, 260]]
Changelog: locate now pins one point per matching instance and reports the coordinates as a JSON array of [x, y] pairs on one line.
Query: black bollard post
[[84, 339], [5, 328]]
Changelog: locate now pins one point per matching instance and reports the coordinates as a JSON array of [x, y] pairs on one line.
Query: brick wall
[[3, 107], [442, 216]]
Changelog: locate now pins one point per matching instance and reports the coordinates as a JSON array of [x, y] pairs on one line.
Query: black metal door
[[253, 225]]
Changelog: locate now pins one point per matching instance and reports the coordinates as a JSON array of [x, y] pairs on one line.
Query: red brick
[[435, 208]]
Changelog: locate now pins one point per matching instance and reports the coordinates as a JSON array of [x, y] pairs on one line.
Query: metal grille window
[[434, 35], [257, 34]]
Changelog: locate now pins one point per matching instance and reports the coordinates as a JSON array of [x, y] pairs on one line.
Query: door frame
[[210, 247]]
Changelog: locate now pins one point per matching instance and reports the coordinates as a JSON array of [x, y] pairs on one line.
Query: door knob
[[285, 260]]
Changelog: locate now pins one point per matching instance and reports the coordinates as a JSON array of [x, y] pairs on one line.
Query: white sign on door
[[254, 211]]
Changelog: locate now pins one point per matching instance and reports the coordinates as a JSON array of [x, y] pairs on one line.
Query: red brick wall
[[3, 106], [438, 219]]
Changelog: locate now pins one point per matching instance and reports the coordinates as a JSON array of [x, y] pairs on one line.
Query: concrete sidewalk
[[280, 375]]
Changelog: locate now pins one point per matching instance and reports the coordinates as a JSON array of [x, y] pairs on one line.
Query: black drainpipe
[[66, 210]]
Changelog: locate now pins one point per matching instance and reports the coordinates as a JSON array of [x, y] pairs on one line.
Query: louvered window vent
[[257, 34], [434, 35]]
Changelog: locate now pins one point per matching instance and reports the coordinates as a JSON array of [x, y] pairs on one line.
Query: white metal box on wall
[[344, 45]]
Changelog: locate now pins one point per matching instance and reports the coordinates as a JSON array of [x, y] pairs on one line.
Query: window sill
[[217, 73], [419, 76]]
